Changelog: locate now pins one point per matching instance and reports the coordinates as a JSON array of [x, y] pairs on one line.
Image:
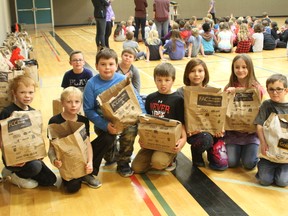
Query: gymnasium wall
[[67, 12], [75, 12], [5, 25]]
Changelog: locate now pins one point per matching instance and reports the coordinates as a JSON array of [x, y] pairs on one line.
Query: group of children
[[187, 38], [242, 148]]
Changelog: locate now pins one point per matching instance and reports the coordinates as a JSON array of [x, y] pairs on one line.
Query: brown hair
[[277, 77], [251, 78], [130, 51], [73, 53], [106, 53], [165, 70], [189, 67]]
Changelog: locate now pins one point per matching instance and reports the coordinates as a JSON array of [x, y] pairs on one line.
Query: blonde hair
[[14, 84], [153, 38], [195, 32], [243, 33], [69, 91]]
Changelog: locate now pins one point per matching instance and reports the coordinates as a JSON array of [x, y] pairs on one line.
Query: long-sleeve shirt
[[94, 87], [140, 8]]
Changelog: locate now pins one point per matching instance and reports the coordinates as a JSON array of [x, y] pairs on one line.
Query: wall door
[[34, 13]]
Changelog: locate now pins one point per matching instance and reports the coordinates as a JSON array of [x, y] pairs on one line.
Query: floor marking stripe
[[68, 50], [144, 196], [158, 196], [279, 189], [50, 46]]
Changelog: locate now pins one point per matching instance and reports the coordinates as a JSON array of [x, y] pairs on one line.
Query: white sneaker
[[171, 166], [6, 173], [23, 183]]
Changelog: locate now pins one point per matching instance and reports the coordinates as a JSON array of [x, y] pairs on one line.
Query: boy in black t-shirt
[[71, 99], [164, 104]]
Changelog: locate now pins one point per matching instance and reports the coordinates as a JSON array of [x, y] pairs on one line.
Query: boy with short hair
[[130, 43], [78, 75], [71, 99], [271, 172], [163, 103], [106, 64]]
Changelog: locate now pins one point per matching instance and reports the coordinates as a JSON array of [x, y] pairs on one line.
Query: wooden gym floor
[[186, 191]]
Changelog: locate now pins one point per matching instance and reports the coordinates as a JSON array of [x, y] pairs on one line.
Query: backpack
[[217, 156]]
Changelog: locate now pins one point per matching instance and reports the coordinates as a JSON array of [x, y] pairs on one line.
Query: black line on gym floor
[[211, 198], [68, 50]]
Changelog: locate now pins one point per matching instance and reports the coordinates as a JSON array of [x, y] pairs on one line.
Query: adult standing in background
[[161, 16], [140, 18], [110, 17], [100, 8], [212, 10]]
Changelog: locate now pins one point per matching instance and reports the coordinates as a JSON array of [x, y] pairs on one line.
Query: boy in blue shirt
[[106, 64]]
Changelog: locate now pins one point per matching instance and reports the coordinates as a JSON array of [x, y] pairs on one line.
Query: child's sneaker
[[6, 173], [23, 183], [172, 166], [91, 181], [124, 170]]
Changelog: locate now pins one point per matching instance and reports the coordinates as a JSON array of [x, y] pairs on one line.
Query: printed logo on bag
[[243, 96], [119, 101], [3, 77], [283, 143], [209, 100], [83, 133], [19, 123]]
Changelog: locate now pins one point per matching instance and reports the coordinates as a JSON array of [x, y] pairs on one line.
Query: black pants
[[139, 21], [100, 146], [108, 32]]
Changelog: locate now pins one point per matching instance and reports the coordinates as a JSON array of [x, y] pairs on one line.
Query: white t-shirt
[[225, 42], [258, 44]]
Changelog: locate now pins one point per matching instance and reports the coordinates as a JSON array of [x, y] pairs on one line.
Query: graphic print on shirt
[[77, 82], [159, 109]]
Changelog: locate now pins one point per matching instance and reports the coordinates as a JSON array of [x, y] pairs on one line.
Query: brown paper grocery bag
[[120, 105], [70, 141], [242, 110], [275, 130], [204, 109], [22, 139], [32, 71], [159, 133]]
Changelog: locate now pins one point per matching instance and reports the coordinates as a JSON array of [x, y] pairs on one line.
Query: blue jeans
[[162, 27], [247, 154], [270, 172], [36, 170], [100, 31]]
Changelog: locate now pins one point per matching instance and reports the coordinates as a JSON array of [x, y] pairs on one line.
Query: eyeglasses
[[278, 90], [77, 60]]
